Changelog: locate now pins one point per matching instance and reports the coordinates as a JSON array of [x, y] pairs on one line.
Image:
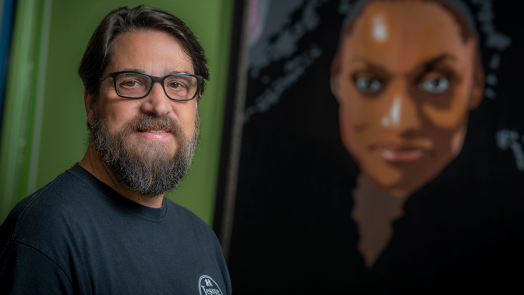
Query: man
[[104, 226]]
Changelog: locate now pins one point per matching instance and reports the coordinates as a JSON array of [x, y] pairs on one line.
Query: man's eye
[[369, 86], [129, 83], [435, 86], [176, 85]]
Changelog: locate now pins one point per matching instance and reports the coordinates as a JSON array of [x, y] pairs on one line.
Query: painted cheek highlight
[[457, 141]]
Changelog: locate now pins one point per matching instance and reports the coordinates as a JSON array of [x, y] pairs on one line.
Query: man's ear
[[477, 86], [89, 105], [334, 80]]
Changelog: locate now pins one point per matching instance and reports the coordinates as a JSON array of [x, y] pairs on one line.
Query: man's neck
[[94, 165]]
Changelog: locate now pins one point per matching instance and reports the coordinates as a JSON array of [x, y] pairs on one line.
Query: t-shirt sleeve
[[26, 270]]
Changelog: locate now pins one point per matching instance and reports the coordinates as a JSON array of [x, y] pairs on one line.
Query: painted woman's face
[[404, 82]]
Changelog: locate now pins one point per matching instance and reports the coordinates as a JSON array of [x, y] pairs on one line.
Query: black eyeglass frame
[[154, 79]]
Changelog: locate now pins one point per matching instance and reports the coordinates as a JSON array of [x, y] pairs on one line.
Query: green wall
[[44, 131]]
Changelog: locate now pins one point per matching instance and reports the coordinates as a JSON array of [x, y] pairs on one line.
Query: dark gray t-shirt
[[78, 236]]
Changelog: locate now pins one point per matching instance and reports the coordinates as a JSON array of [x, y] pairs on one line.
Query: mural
[[405, 76], [382, 148]]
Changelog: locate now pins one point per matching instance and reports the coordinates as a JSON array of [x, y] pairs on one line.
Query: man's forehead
[[144, 51]]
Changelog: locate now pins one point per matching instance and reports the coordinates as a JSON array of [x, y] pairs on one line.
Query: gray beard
[[145, 167]]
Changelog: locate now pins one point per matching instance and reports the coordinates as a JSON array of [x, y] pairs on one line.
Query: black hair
[[460, 12], [99, 50]]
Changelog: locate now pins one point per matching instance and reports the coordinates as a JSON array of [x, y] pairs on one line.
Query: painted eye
[[435, 86], [369, 86]]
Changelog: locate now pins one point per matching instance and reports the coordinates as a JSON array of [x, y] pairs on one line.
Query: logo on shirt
[[208, 286]]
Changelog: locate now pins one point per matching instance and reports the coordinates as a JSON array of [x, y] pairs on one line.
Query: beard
[[148, 168]]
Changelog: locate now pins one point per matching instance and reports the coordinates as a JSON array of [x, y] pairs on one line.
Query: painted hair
[[460, 12]]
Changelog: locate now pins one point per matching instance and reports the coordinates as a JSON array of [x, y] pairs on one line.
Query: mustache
[[146, 121]]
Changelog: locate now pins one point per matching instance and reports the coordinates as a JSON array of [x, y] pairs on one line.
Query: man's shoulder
[[47, 210]]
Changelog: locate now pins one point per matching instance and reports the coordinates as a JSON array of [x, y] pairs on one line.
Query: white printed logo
[[208, 286]]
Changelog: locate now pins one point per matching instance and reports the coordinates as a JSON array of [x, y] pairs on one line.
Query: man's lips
[[153, 133]]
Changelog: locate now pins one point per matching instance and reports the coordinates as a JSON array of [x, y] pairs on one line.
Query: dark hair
[[99, 50], [456, 8]]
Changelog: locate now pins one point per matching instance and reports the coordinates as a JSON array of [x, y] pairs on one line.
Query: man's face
[[148, 142], [405, 86]]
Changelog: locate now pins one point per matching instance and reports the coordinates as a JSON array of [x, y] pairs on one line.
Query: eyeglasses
[[131, 84]]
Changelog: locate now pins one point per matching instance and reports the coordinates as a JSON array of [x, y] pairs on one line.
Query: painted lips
[[395, 153], [403, 155]]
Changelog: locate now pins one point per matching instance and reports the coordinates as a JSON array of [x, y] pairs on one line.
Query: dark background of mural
[[292, 230]]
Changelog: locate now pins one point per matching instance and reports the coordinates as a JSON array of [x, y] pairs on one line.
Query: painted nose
[[156, 102], [402, 115]]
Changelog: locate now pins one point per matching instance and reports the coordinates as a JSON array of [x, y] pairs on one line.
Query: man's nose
[[402, 114], [156, 102]]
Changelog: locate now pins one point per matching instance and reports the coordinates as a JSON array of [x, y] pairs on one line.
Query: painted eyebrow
[[374, 66], [427, 65], [430, 64]]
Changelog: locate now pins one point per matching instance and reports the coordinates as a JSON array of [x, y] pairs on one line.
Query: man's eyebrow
[[132, 70], [179, 72], [142, 71]]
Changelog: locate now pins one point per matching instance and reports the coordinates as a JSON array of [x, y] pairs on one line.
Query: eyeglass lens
[[136, 85]]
